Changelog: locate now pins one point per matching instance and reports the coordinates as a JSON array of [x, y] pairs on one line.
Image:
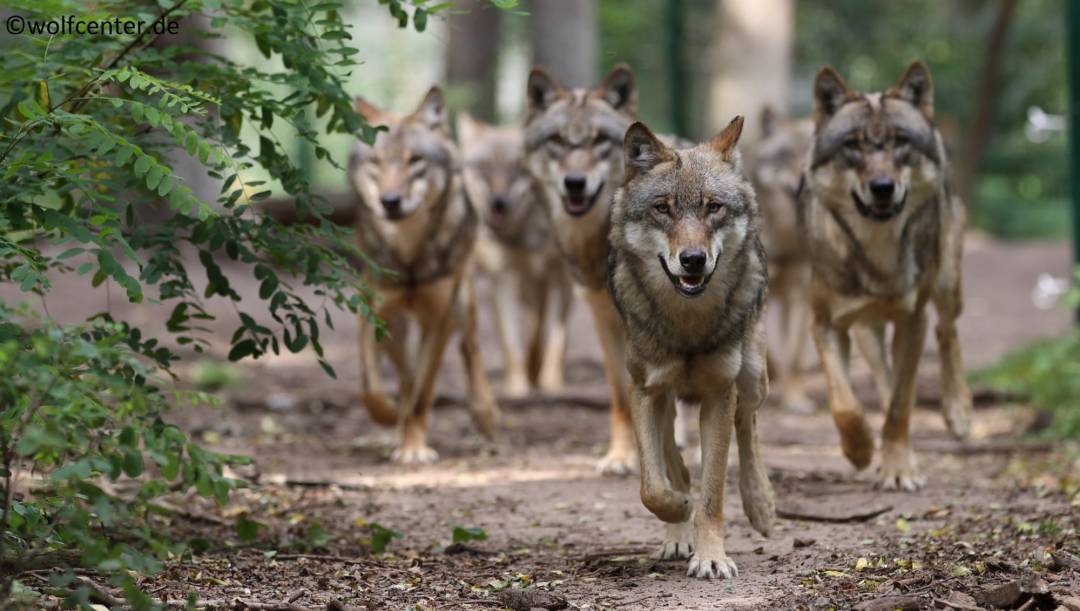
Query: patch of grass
[[1048, 374]]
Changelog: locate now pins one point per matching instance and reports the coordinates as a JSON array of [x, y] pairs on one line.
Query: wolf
[[573, 150], [415, 221], [515, 250], [884, 234], [689, 278], [775, 165]]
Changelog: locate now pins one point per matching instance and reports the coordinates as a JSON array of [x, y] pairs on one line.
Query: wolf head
[[880, 149], [496, 180], [573, 139], [681, 211], [410, 166]]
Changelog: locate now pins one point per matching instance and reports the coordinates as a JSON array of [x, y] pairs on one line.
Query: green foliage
[[1048, 372], [464, 535], [91, 130], [381, 537]]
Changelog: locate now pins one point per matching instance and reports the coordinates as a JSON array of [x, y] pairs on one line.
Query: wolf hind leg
[[856, 438], [485, 411]]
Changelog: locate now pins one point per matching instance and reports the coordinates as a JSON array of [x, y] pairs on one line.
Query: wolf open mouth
[[689, 285], [876, 213], [577, 206]]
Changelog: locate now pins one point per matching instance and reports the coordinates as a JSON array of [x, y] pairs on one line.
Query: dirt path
[[990, 514]]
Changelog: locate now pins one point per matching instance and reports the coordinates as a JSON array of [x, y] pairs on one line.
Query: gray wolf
[[688, 274], [573, 149], [884, 236], [515, 250], [415, 221], [775, 165]]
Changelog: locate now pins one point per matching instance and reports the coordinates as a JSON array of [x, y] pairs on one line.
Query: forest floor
[[997, 523]]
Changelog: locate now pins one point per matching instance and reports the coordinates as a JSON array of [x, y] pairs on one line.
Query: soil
[[999, 516]]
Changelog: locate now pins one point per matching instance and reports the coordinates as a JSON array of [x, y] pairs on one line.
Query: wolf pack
[[842, 220]]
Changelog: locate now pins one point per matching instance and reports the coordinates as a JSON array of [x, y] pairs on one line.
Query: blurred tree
[[751, 61], [472, 57], [564, 39]]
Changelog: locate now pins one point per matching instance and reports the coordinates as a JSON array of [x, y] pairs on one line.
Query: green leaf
[[247, 529], [464, 535], [133, 463], [242, 349], [381, 537]]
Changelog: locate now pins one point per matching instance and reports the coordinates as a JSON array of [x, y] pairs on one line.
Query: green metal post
[[679, 94], [1072, 32]]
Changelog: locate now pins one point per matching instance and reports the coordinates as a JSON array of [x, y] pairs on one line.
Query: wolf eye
[[901, 138], [662, 208], [415, 159], [852, 142], [713, 207], [601, 139]]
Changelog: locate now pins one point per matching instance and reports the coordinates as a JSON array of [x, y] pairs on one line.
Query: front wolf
[[573, 149], [884, 236], [415, 221], [515, 250], [687, 272]]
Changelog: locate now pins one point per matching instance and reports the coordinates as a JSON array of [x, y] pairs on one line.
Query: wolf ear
[[917, 88], [619, 90], [432, 109], [724, 142], [768, 121], [830, 93], [366, 110], [642, 150], [543, 90]]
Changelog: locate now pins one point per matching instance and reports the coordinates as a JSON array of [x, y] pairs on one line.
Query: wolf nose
[[391, 201], [692, 260], [499, 204], [575, 184], [882, 188]]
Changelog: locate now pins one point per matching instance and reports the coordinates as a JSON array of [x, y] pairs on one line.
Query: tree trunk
[[989, 88], [752, 62], [564, 39], [471, 60]]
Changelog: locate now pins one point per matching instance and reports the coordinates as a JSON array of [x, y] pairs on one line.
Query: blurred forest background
[[999, 74]]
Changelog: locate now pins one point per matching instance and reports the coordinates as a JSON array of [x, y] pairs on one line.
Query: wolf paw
[[957, 412], [618, 463], [898, 469], [420, 455], [758, 503], [516, 385], [485, 418], [678, 542], [718, 566]]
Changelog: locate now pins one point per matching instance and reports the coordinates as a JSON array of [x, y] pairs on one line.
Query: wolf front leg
[[856, 438], [949, 302], [621, 458], [436, 321], [898, 468], [678, 536], [652, 413], [504, 297], [559, 299], [481, 400], [372, 395], [710, 561]]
